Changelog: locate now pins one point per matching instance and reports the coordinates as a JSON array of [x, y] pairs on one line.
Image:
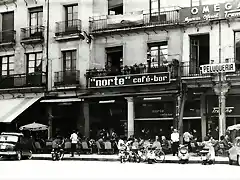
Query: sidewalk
[[96, 157]]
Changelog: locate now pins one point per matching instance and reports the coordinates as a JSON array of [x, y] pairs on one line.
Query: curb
[[115, 160]]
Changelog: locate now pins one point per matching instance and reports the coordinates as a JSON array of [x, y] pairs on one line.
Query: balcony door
[[6, 70], [7, 27], [71, 18], [69, 73], [36, 21], [194, 56]]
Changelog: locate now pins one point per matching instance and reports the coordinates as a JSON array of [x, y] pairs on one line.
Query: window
[[237, 49], [7, 27], [71, 15], [7, 65], [114, 59], [115, 7], [155, 16], [158, 54], [69, 60], [34, 62], [36, 19]]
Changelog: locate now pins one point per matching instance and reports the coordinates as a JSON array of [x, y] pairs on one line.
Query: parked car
[[15, 145], [234, 152]]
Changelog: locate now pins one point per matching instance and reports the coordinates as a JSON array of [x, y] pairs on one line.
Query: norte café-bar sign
[[217, 68], [211, 12], [130, 80]]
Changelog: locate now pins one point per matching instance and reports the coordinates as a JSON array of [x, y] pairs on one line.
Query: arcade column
[[86, 119], [203, 115], [130, 116], [221, 90]]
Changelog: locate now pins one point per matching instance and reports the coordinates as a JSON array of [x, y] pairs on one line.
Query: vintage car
[[234, 152], [15, 145]]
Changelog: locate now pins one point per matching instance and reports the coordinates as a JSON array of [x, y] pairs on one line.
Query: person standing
[[175, 141], [74, 141]]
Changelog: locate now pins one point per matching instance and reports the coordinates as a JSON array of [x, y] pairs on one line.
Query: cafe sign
[[217, 68], [227, 110], [210, 12], [130, 80]]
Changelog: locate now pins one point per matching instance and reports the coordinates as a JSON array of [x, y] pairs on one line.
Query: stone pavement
[[96, 157]]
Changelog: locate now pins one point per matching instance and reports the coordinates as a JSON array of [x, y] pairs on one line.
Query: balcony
[[131, 20], [23, 80], [67, 78], [191, 71], [68, 30], [7, 37], [32, 35]]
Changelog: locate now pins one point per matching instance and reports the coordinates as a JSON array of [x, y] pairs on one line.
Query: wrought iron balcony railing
[[37, 79], [103, 23], [7, 36], [136, 69], [67, 77], [32, 32], [68, 27]]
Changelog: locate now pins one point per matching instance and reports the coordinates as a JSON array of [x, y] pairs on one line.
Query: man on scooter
[[58, 144]]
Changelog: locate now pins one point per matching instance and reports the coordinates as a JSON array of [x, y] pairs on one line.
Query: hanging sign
[[227, 110], [210, 12], [217, 68]]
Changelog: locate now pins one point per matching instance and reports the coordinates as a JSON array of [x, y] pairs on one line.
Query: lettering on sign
[[130, 80], [217, 68], [211, 12], [227, 110]]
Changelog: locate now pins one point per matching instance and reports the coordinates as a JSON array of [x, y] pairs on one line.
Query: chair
[[85, 148], [67, 146], [108, 147], [38, 147], [49, 146], [99, 148]]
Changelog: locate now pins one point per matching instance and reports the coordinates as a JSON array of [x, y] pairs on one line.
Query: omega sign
[[130, 80]]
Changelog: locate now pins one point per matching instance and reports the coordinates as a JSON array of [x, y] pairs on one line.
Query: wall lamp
[[87, 36]]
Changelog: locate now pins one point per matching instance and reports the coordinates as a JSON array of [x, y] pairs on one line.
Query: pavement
[[97, 157], [91, 170]]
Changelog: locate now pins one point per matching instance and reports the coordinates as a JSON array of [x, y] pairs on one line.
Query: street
[[44, 169]]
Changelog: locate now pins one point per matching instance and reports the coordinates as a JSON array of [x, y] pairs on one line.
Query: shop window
[[237, 49], [114, 60], [157, 54], [155, 15], [34, 62], [71, 16], [199, 52], [69, 60], [6, 65], [115, 7]]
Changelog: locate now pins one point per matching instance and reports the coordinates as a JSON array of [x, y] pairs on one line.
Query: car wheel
[[238, 160], [19, 155], [30, 156]]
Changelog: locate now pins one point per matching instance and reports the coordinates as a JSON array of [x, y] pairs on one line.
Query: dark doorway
[[199, 52], [114, 60]]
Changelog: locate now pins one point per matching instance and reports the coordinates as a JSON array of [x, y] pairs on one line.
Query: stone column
[[203, 115], [221, 90], [50, 118], [131, 115], [86, 119]]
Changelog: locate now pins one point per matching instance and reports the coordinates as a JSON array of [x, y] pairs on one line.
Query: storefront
[[232, 111]]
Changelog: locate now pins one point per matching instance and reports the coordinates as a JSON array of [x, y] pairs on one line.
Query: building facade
[[118, 64]]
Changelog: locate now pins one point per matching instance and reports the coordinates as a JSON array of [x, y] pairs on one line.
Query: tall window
[[71, 15], [34, 62], [237, 49], [155, 15], [69, 60], [36, 19], [114, 59], [7, 65], [115, 7], [7, 27], [158, 54]]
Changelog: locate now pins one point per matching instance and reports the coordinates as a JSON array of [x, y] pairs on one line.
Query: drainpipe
[[47, 45]]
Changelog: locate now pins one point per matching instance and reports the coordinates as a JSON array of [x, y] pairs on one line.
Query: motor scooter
[[183, 154], [208, 155], [151, 155], [123, 156], [57, 153]]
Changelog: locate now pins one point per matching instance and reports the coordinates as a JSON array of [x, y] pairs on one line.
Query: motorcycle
[[151, 155], [208, 155], [183, 154], [57, 153], [123, 156], [134, 156]]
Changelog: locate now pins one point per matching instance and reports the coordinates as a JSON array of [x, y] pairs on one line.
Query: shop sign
[[210, 12], [130, 80], [227, 110], [217, 68]]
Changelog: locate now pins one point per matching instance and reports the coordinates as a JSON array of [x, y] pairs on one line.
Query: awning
[[61, 100], [11, 108]]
